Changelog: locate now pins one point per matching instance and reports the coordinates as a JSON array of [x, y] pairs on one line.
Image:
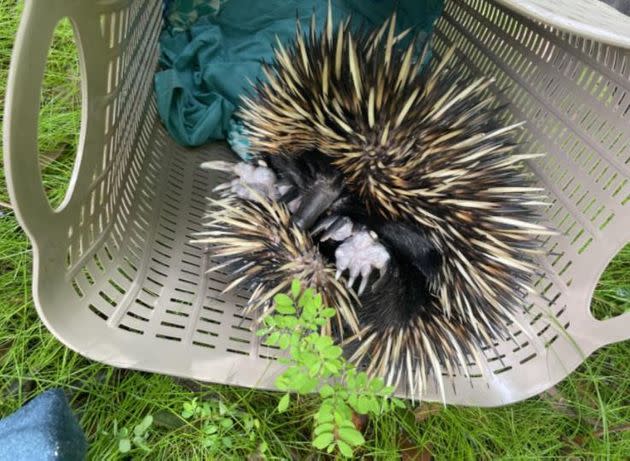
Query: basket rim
[[534, 10]]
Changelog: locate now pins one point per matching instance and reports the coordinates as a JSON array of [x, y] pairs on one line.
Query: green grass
[[586, 418]]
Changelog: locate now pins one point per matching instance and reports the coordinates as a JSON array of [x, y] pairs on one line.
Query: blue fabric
[[42, 430], [237, 140], [207, 67]]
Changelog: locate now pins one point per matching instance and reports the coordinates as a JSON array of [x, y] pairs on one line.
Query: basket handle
[[21, 113], [611, 330]]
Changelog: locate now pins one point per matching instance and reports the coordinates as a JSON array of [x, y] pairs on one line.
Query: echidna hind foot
[[360, 254]]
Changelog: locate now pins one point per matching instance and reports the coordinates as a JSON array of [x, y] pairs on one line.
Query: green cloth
[[205, 67]]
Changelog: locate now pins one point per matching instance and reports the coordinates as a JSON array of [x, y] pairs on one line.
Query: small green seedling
[[316, 363], [218, 424], [138, 437]]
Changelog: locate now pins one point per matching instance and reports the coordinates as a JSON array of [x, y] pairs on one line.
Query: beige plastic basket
[[116, 279]]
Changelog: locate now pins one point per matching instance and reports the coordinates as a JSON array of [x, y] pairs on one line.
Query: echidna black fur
[[420, 154]]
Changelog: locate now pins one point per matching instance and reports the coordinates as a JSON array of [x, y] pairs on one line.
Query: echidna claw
[[323, 224], [284, 189], [294, 204], [381, 277], [223, 186], [340, 230], [219, 165], [364, 281]]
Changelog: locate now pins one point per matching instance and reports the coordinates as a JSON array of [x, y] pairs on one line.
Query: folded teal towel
[[206, 67]]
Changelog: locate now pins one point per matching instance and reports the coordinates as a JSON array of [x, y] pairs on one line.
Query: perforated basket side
[[573, 93], [115, 277]]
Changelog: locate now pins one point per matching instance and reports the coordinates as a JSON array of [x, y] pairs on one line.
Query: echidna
[[423, 165]]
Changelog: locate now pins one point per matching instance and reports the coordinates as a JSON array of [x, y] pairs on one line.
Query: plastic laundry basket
[[116, 279]]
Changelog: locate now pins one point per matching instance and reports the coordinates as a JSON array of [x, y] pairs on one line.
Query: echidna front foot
[[360, 255], [250, 179]]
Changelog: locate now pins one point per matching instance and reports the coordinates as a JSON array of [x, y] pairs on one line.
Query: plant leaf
[[290, 322], [222, 408], [283, 404], [204, 410], [332, 352], [376, 385], [326, 427], [272, 339], [333, 368], [295, 288], [363, 405], [344, 449], [210, 429], [124, 445], [326, 391], [317, 301], [351, 436], [324, 415], [147, 421], [284, 341], [323, 440], [282, 300], [286, 309]]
